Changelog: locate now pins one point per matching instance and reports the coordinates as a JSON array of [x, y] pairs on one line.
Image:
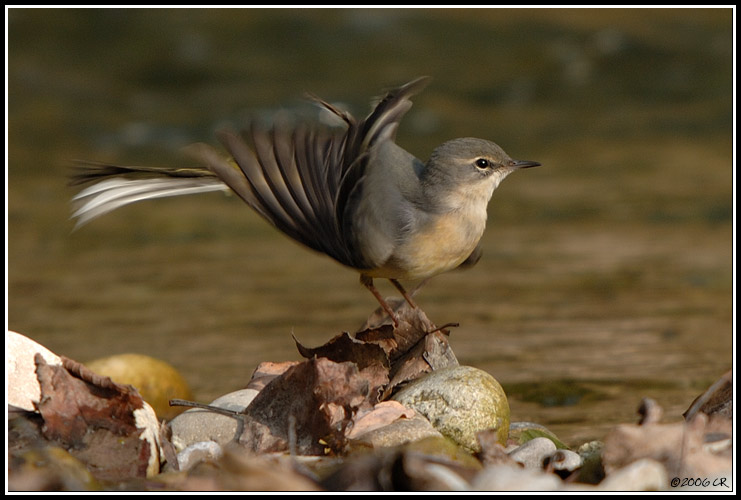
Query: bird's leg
[[404, 293], [367, 282]]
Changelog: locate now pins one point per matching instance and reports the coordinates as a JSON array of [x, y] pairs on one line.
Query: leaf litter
[[300, 430]]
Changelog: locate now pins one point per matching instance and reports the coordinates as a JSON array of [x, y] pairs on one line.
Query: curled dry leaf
[[431, 353], [306, 409], [266, 372], [415, 347], [345, 348], [381, 415], [370, 359], [101, 423], [390, 356], [680, 447], [413, 326], [716, 400]]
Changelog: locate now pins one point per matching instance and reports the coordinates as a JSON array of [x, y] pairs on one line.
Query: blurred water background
[[607, 273]]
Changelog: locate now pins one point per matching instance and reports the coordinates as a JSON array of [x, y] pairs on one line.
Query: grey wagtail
[[350, 193]]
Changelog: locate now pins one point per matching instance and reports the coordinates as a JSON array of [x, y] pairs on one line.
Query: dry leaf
[[307, 409], [680, 447], [97, 420], [266, 372], [381, 415], [413, 326], [716, 400], [368, 357], [432, 352]]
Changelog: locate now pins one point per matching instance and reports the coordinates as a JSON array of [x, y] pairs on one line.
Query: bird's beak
[[525, 164]]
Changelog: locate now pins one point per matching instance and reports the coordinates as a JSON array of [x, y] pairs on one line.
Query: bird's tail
[[116, 186]]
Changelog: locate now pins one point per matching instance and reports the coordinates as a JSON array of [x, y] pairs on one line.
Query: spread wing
[[299, 178]]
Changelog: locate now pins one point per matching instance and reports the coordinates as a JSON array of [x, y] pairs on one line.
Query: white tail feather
[[110, 194]]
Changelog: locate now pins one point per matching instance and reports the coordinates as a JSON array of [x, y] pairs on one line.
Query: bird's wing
[[301, 178]]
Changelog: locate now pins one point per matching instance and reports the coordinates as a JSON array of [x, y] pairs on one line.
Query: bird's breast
[[440, 245]]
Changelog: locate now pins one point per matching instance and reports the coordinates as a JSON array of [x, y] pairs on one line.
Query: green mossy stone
[[460, 402]]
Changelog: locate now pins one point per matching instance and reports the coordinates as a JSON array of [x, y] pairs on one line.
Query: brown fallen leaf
[[345, 348], [716, 400], [369, 358], [397, 341], [98, 421], [382, 414], [680, 447], [266, 372], [432, 352], [306, 409], [415, 347]]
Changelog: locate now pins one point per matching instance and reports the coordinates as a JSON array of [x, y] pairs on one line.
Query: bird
[[349, 192]]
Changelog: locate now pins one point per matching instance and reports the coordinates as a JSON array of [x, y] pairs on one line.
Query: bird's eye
[[482, 163]]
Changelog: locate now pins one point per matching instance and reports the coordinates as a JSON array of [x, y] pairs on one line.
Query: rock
[[592, 471], [446, 449], [641, 475], [158, 382], [563, 461], [198, 425], [533, 453], [199, 452], [522, 432], [424, 474], [23, 386], [514, 478], [237, 400], [459, 402], [401, 431]]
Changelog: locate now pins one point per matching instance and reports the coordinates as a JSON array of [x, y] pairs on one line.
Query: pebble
[[532, 453], [522, 432], [157, 381], [198, 425], [564, 460], [237, 400], [459, 401], [197, 453], [401, 431]]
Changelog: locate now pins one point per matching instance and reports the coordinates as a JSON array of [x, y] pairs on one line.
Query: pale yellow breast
[[440, 246]]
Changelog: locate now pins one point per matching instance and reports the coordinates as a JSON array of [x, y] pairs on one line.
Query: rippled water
[[607, 273]]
